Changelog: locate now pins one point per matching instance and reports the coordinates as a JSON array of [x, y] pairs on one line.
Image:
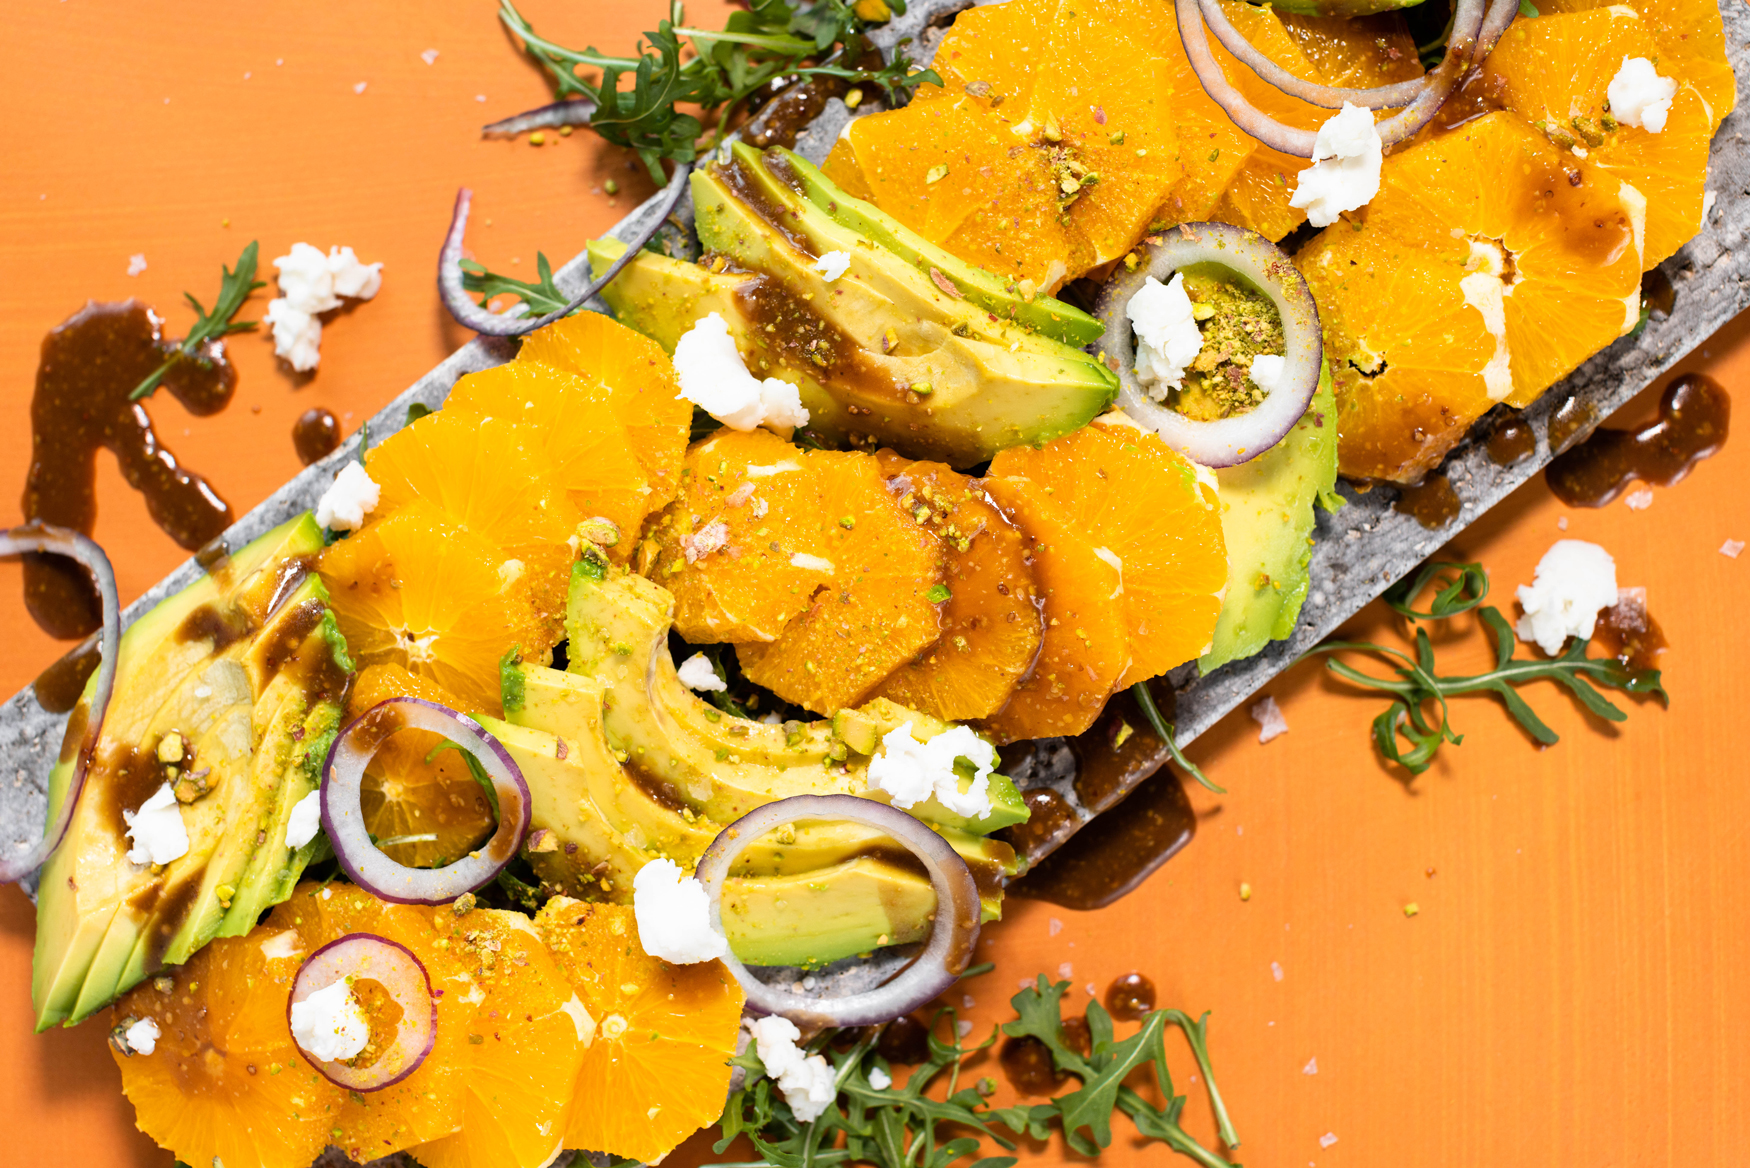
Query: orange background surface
[[1575, 988]]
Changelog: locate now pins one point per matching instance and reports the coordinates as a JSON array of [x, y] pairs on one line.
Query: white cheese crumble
[[810, 563], [310, 284], [911, 771], [1486, 291], [714, 378], [304, 821], [674, 915], [1574, 580], [1638, 96], [329, 1025], [832, 265], [807, 1081], [1167, 336], [142, 1037], [697, 672], [1268, 715], [880, 1079], [156, 829], [349, 498], [1266, 370], [1347, 155]]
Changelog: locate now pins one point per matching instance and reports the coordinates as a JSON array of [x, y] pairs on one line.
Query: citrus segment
[[990, 52], [1357, 52], [1085, 647], [1692, 43], [643, 395], [1148, 515], [1488, 266], [878, 608], [657, 1067], [525, 1032], [991, 624], [1555, 71], [415, 591]]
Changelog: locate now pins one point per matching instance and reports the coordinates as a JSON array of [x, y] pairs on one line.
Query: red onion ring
[[397, 970], [1399, 93], [40, 537], [576, 111], [1228, 441], [1437, 86], [515, 323], [940, 963], [343, 819]]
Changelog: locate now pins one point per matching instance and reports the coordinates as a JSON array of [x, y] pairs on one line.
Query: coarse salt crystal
[[1731, 548], [1312, 1066], [429, 56], [1638, 499], [1327, 1139], [136, 263], [359, 87], [1276, 970], [1053, 927], [1268, 715], [1066, 971]]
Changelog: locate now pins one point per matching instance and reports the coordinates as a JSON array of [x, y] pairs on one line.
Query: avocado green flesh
[[812, 918], [1267, 523], [1043, 314], [220, 663]]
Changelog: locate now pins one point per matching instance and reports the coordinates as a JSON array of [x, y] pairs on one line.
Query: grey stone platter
[[1359, 551]]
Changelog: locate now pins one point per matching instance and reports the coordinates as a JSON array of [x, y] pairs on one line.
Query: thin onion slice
[[40, 537], [1227, 441], [1395, 95], [403, 976], [516, 323], [952, 936], [573, 111], [343, 818]]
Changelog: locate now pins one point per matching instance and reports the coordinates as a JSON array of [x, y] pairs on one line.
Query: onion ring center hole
[[383, 1012], [1238, 321], [428, 801]]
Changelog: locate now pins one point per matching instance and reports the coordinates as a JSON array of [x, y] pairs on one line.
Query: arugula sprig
[[1416, 685], [768, 40], [902, 1125], [234, 288], [541, 297], [1164, 731]]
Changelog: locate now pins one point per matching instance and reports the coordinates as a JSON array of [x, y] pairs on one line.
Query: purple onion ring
[[952, 937], [396, 969], [575, 111], [1228, 441], [343, 818], [40, 537], [516, 323]]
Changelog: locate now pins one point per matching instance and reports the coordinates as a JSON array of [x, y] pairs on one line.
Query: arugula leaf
[[541, 297], [1164, 731], [235, 286], [474, 769], [1454, 594]]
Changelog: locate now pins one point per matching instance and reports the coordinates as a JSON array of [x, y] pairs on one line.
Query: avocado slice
[[917, 364], [618, 626], [812, 918], [1267, 522], [181, 667]]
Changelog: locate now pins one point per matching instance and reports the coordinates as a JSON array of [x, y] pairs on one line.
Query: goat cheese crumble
[[697, 673], [1167, 336], [329, 1025], [714, 378], [142, 1037], [832, 265], [911, 771], [310, 284], [1638, 96], [1347, 155], [807, 1081], [304, 821], [156, 829], [1266, 370], [1575, 580], [349, 498], [674, 915]]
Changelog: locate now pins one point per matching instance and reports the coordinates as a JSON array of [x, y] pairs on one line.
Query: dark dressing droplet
[[1511, 442], [1130, 997], [905, 1040], [58, 687], [1695, 415], [1433, 503], [1628, 632], [1572, 420], [1027, 1065], [315, 435]]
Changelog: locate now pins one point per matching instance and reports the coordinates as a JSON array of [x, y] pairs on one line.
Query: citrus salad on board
[[625, 747]]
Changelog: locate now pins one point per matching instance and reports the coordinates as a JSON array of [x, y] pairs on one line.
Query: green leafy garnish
[[510, 679], [1416, 684], [901, 1125], [1164, 731], [234, 289], [475, 769], [542, 297], [769, 40]]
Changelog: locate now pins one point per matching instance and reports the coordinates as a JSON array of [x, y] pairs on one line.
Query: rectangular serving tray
[[1359, 550]]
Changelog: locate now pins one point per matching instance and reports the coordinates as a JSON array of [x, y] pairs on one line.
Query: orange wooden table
[[1575, 987]]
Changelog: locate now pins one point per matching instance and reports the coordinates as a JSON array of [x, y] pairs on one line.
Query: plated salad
[[629, 745]]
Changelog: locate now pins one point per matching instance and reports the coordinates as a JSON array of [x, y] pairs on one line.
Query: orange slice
[[991, 623], [525, 1032], [1554, 72], [643, 395], [1086, 645], [568, 425], [1549, 247], [1692, 43], [657, 1068], [1146, 513], [415, 591], [879, 607], [1357, 52]]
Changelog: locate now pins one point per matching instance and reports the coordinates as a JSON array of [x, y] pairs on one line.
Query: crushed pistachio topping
[[1238, 323]]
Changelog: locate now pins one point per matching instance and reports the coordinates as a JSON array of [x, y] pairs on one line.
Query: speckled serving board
[[1359, 551]]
